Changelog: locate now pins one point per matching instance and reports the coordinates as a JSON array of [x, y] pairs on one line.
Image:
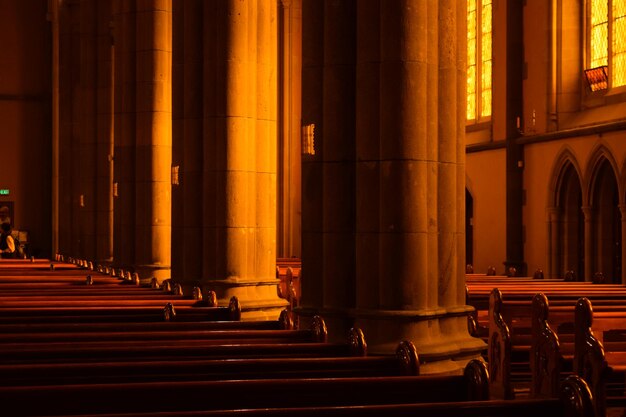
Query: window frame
[[588, 33]]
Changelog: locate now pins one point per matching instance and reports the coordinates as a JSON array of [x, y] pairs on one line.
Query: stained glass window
[[607, 38], [479, 59]]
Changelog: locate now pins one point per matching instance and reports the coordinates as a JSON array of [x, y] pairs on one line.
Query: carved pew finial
[[234, 309], [545, 352], [318, 327], [356, 342], [406, 353]]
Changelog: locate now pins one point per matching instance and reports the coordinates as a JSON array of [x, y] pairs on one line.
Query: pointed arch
[[603, 196], [600, 154], [566, 220], [565, 160]]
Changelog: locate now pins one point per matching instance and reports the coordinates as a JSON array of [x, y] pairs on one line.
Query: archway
[[570, 250], [606, 232]]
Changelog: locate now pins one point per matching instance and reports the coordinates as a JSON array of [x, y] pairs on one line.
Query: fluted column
[[289, 116], [339, 268], [312, 114], [240, 155], [104, 134], [87, 127], [153, 147], [193, 141], [124, 128], [421, 218], [367, 154], [588, 215]]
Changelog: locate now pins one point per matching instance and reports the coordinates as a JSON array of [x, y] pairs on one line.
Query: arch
[[565, 219], [600, 154], [562, 163], [606, 226]]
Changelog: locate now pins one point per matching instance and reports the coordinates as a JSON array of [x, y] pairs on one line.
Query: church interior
[[313, 208]]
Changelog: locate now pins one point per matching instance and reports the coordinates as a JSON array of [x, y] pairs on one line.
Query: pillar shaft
[[153, 143], [339, 268], [622, 210], [312, 188], [553, 228], [367, 153], [240, 154], [104, 135], [124, 127], [289, 116]]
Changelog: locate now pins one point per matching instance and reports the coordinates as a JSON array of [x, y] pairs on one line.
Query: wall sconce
[[175, 177], [115, 194], [308, 139], [597, 78], [81, 200]]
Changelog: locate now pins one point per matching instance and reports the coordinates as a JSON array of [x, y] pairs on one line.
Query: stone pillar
[[553, 246], [153, 158], [192, 165], [124, 129], [339, 268], [55, 107], [87, 129], [588, 213], [622, 210], [240, 155], [367, 154], [312, 284], [104, 134], [289, 116], [421, 226]]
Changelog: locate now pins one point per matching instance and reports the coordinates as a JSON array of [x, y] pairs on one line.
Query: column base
[[147, 272], [440, 335], [258, 299]]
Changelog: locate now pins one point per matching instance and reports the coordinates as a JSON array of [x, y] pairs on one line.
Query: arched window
[[479, 59], [606, 40]]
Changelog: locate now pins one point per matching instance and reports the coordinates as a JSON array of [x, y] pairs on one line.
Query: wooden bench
[[153, 397], [574, 401]]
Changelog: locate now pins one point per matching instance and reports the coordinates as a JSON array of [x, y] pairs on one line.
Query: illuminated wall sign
[[4, 191]]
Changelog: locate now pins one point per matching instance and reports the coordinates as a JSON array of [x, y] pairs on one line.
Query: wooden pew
[[574, 401], [262, 393], [405, 362]]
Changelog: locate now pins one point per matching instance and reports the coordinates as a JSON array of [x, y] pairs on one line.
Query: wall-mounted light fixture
[[81, 200], [598, 78], [115, 194], [175, 176], [308, 139]]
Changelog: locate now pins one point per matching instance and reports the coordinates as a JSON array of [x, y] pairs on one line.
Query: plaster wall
[[486, 182]]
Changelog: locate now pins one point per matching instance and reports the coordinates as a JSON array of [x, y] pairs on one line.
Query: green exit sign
[[4, 191]]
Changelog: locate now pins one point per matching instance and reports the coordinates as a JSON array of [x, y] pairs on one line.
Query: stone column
[[588, 213], [153, 159], [104, 135], [124, 128], [367, 154], [192, 165], [289, 116], [553, 246], [240, 156], [55, 107], [339, 267], [421, 254], [312, 284], [87, 129]]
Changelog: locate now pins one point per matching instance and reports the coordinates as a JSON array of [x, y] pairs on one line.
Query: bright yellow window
[[607, 38], [479, 59]]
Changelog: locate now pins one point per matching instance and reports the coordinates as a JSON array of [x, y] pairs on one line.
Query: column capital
[[587, 210], [285, 3], [553, 213]]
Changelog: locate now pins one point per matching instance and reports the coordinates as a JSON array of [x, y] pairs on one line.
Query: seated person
[[7, 244]]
